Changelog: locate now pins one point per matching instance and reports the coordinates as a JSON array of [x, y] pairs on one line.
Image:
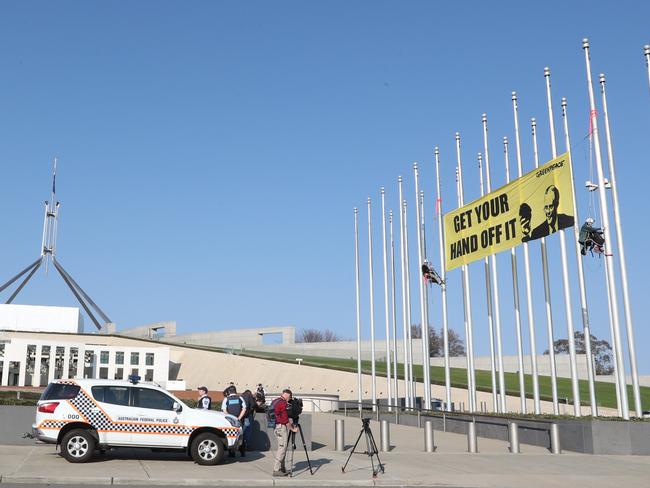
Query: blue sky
[[210, 153]]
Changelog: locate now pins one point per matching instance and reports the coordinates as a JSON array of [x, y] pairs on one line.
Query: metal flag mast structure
[[48, 252]]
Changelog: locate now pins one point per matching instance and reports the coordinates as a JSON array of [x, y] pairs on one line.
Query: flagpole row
[[467, 302], [424, 319], [529, 293], [443, 286], [581, 274], [373, 370], [495, 280], [568, 308], [490, 313], [621, 256], [609, 263], [358, 303], [547, 292], [386, 306], [393, 310], [515, 297]]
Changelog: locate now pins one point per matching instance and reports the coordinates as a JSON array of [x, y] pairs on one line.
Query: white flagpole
[[568, 308], [467, 299], [404, 301], [621, 256], [515, 297], [609, 263], [547, 292], [443, 287], [393, 309], [386, 313], [372, 314], [495, 280], [581, 276], [426, 300], [356, 275], [490, 313], [424, 316], [413, 391], [529, 292], [646, 53]]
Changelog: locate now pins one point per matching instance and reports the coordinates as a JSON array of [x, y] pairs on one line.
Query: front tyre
[[77, 446], [207, 449]]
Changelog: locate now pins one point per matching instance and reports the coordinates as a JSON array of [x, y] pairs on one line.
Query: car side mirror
[[177, 407]]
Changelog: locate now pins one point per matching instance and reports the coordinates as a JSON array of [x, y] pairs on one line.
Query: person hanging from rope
[[591, 238], [429, 274]]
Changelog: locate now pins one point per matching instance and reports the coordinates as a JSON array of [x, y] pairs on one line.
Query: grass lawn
[[605, 392]]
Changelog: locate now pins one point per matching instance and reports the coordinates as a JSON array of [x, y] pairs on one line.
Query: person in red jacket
[[283, 424]]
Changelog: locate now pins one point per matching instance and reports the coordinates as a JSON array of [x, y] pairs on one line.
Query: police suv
[[84, 415]]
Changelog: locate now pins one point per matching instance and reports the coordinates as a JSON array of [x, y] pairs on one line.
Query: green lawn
[[605, 392]]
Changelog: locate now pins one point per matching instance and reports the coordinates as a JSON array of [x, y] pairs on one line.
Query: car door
[[112, 413], [158, 423]]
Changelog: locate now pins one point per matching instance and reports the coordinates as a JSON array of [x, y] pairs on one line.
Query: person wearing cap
[[204, 400], [590, 238]]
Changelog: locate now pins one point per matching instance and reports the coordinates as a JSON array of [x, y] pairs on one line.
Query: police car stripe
[[85, 405]]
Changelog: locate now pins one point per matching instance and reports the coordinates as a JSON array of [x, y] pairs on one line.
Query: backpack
[[270, 414]]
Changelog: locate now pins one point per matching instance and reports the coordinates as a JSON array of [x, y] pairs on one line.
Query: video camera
[[294, 409]]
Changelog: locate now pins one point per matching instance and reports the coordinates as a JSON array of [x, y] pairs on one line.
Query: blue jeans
[[248, 431]]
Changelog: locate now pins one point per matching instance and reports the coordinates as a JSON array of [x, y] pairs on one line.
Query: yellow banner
[[533, 206]]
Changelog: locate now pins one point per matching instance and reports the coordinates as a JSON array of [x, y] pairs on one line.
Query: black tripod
[[292, 440], [371, 449]]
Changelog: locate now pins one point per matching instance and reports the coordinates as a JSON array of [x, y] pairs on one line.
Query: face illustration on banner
[[525, 216], [554, 221]]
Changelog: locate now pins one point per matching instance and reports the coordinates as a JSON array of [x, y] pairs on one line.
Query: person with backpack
[[234, 405], [248, 397], [278, 418]]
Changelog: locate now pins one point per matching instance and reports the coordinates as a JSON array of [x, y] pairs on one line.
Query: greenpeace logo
[[546, 171]]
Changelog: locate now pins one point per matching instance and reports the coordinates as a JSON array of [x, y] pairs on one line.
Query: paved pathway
[[406, 465]]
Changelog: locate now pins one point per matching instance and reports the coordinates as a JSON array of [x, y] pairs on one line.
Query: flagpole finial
[[505, 140], [585, 43], [601, 78], [484, 118], [564, 101], [415, 166], [436, 150], [356, 210], [368, 200], [399, 179], [458, 136], [547, 71], [646, 49], [381, 190], [533, 122]]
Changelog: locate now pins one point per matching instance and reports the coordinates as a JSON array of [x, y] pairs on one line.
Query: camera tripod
[[292, 441], [371, 448]]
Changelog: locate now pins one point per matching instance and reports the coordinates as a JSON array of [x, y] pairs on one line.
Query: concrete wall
[[235, 339], [151, 331], [40, 318]]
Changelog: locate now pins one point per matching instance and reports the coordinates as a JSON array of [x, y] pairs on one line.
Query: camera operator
[[283, 424]]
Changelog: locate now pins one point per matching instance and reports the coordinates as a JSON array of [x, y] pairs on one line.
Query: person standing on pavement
[[283, 425], [248, 419], [204, 400], [236, 406]]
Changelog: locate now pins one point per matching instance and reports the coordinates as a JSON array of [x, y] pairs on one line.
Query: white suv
[[84, 415]]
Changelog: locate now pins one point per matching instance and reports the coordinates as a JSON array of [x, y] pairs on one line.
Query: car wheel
[[207, 449], [77, 446]]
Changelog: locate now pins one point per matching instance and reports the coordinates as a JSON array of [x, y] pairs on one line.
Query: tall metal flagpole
[[547, 293], [646, 53], [443, 286], [466, 295], [609, 263], [529, 292], [404, 301], [581, 276], [387, 317], [426, 298], [495, 281], [424, 316], [373, 370], [621, 256], [393, 309], [407, 260], [490, 313], [356, 275], [515, 298], [565, 266]]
